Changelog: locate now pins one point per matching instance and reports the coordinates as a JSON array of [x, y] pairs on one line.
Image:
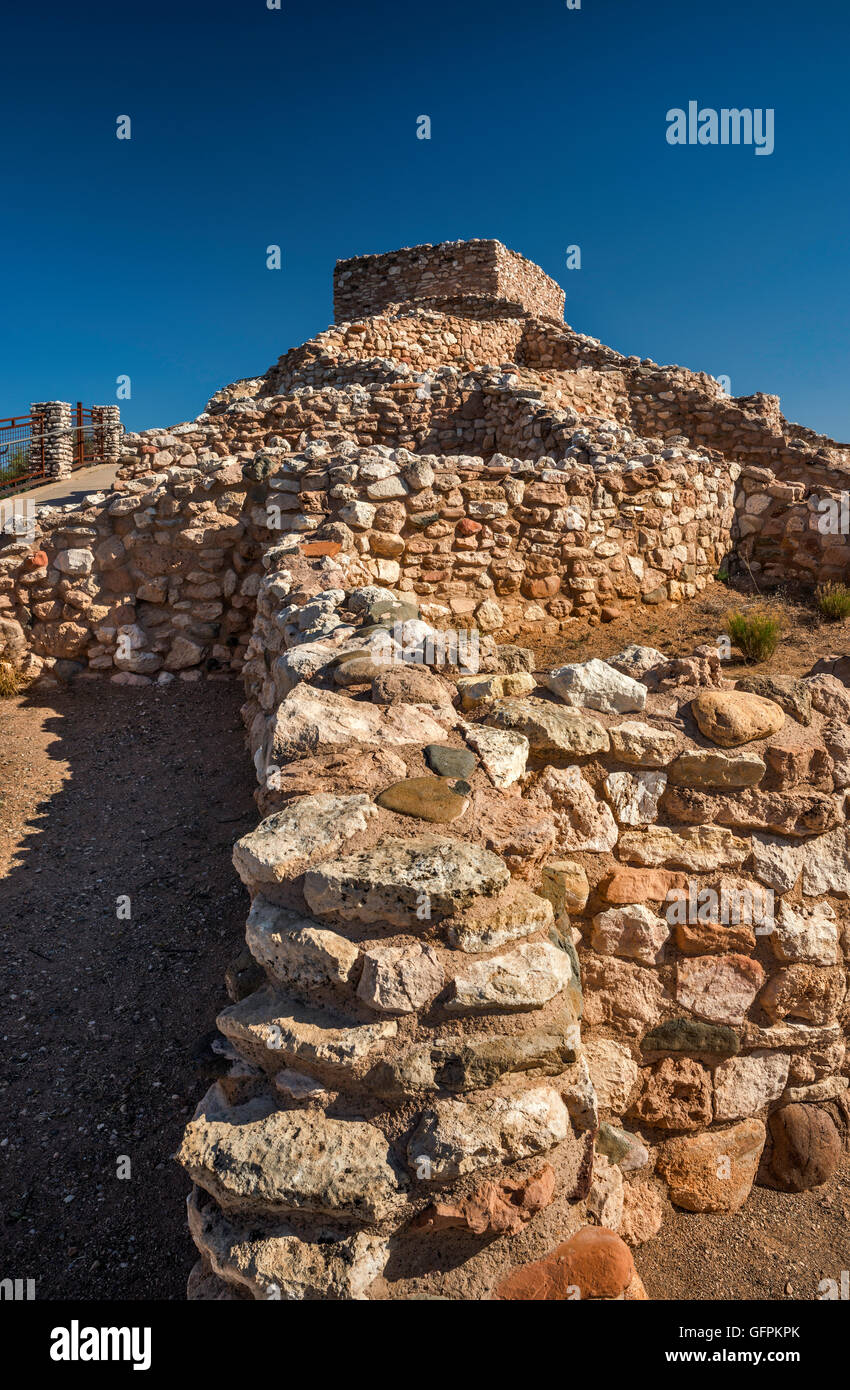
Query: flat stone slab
[[273, 1031], [272, 1162], [405, 882], [551, 728], [309, 828], [458, 1137], [525, 978], [488, 923]]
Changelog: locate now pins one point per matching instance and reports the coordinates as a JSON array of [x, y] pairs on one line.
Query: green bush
[[833, 601], [756, 634]]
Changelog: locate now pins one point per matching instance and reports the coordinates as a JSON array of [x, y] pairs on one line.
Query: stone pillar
[[107, 420], [51, 430]]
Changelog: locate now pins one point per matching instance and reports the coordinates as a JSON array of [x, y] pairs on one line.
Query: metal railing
[[24, 440], [21, 455]]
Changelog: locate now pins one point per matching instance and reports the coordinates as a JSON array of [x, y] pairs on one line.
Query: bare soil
[[108, 792], [105, 792], [677, 630]]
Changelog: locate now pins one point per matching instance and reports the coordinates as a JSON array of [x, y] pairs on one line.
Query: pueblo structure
[[530, 955]]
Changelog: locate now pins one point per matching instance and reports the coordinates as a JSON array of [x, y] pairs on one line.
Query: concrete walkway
[[73, 489]]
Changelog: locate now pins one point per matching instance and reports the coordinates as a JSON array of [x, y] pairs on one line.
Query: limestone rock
[[582, 821], [719, 988], [745, 1085], [503, 685], [400, 979], [791, 695], [488, 923], [269, 1162], [297, 950], [281, 1264], [829, 696], [778, 863], [643, 745], [306, 830], [410, 685], [733, 717], [699, 848], [643, 1213], [564, 883], [352, 770], [551, 728], [405, 882], [826, 864], [458, 1137], [521, 833], [628, 996], [310, 721], [503, 753], [596, 685], [706, 767], [635, 660], [272, 1030], [811, 992], [524, 978], [613, 1072], [713, 1171], [633, 931], [634, 796], [811, 937], [604, 1201]]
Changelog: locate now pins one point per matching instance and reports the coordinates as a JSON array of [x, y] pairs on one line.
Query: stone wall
[[528, 955], [440, 853], [364, 285], [404, 1034]]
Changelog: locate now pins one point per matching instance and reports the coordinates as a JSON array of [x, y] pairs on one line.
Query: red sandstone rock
[[803, 1149], [310, 549], [494, 1208], [594, 1263]]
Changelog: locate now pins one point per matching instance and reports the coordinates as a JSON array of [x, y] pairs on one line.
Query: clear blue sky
[[298, 127]]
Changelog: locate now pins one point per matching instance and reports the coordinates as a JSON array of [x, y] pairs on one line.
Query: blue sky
[[298, 127]]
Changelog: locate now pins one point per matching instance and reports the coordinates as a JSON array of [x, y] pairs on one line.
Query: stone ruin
[[530, 954]]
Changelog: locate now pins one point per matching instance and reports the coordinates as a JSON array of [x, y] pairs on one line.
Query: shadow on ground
[[106, 793]]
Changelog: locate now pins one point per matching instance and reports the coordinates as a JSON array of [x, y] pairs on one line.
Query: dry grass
[[10, 681], [833, 601]]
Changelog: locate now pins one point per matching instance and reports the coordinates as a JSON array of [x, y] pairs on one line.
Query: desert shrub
[[833, 600], [10, 681], [756, 634]]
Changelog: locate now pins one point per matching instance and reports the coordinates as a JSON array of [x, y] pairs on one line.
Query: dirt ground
[[109, 792], [676, 631], [105, 792]]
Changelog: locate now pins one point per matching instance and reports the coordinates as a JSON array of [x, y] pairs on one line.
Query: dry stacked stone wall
[[529, 956]]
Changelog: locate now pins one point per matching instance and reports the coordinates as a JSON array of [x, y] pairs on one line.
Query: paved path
[[73, 489]]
